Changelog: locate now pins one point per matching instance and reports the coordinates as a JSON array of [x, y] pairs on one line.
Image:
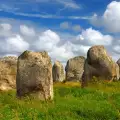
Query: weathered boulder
[[34, 75], [118, 62], [99, 64], [8, 70], [117, 72], [58, 72], [74, 68]]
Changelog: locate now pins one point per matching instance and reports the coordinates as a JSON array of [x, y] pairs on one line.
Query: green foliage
[[94, 80], [97, 102]]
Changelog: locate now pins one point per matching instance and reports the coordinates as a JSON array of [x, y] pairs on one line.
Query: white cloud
[[67, 51], [110, 18], [21, 5], [65, 25], [16, 44], [77, 49], [14, 55], [47, 40], [115, 56], [27, 30], [69, 4], [77, 28], [94, 37], [5, 29], [5, 26], [61, 53], [79, 37], [47, 16], [70, 26], [60, 46], [116, 48]]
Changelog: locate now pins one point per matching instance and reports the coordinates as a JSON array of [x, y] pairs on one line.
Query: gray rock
[[118, 62], [8, 71], [74, 68], [34, 75], [100, 65], [58, 72], [117, 71]]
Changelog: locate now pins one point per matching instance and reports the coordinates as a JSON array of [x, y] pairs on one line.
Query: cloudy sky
[[64, 28]]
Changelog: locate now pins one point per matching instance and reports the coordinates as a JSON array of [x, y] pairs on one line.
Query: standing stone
[[117, 71], [118, 62], [34, 75], [8, 70], [99, 64], [58, 72], [74, 68]]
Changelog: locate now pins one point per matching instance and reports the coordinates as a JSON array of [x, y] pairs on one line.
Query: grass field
[[96, 102]]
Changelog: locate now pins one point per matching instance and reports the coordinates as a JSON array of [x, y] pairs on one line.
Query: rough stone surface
[[117, 71], [58, 72], [8, 70], [118, 62], [74, 68], [100, 65], [34, 75]]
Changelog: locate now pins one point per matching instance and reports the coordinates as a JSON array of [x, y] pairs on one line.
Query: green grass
[[100, 101]]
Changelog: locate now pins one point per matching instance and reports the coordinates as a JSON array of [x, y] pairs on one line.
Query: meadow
[[99, 101]]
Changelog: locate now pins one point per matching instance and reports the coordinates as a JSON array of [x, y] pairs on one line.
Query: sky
[[63, 28]]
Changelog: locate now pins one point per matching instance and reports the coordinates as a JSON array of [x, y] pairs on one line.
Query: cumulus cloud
[[27, 31], [61, 53], [60, 46], [16, 44], [11, 42], [70, 26], [5, 29], [76, 28], [68, 50], [116, 49], [94, 37], [47, 40], [64, 25], [5, 26], [13, 45], [110, 18]]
